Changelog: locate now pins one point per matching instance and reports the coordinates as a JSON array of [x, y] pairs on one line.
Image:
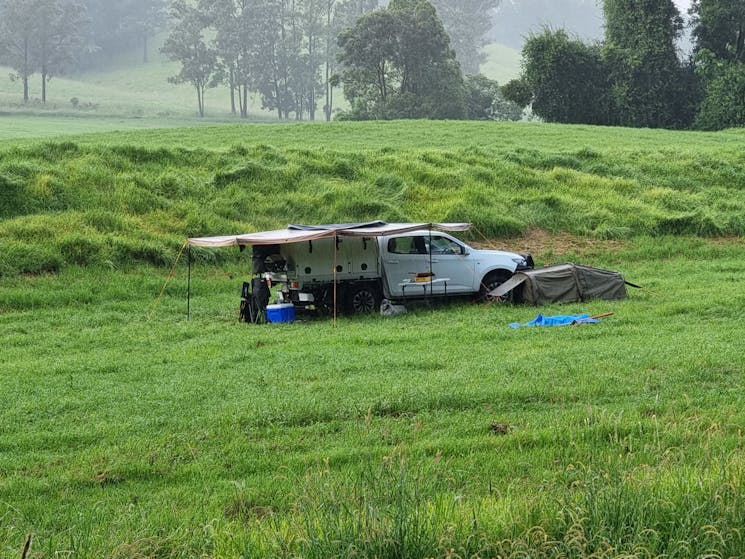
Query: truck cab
[[436, 263]]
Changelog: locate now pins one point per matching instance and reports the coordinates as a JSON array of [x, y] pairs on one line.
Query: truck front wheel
[[491, 281], [363, 299]]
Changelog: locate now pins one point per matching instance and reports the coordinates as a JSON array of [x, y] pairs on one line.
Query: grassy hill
[[127, 431], [125, 88], [134, 196], [502, 63]]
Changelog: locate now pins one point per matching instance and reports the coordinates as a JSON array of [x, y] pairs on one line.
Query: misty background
[[118, 67]]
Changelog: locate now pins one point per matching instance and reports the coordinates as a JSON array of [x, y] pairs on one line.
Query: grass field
[[130, 94], [127, 431]]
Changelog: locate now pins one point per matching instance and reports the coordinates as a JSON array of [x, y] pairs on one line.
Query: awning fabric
[[300, 233]]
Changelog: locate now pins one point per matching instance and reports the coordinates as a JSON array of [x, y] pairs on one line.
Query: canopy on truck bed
[[300, 233], [564, 283]]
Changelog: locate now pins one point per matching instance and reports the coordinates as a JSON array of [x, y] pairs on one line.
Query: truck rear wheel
[[363, 299]]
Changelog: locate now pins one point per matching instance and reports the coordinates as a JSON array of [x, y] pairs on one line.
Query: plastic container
[[284, 312]]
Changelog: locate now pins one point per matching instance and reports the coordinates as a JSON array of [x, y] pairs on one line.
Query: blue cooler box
[[280, 313]]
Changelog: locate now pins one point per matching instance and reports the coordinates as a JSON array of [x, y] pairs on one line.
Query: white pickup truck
[[399, 267]]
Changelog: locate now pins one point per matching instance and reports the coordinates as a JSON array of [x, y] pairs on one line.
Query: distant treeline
[[294, 53], [635, 76], [285, 50]]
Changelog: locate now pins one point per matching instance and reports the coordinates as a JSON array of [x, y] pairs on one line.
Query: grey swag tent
[[564, 283]]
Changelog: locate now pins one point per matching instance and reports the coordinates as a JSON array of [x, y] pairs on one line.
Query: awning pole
[[335, 250], [431, 273], [188, 284]]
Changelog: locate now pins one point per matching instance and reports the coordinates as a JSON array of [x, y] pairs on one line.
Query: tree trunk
[[244, 112], [331, 101], [231, 79], [200, 99], [25, 70], [144, 48], [327, 85], [43, 85]]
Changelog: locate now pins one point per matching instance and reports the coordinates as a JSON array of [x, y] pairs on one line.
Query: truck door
[[451, 265], [403, 258]]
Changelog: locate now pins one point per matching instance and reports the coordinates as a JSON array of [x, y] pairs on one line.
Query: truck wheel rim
[[363, 301]]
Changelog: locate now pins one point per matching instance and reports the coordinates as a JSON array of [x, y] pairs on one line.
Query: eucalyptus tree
[[312, 15], [340, 15], [641, 53], [467, 22], [42, 36], [143, 19], [186, 44], [58, 37], [237, 43], [18, 28], [719, 27], [278, 37]]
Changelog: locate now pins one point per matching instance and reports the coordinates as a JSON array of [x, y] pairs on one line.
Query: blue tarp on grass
[[557, 320]]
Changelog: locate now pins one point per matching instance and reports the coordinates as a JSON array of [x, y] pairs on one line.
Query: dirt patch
[[544, 245], [498, 428]]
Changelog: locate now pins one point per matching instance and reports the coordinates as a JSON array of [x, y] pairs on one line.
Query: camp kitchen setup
[[354, 266]]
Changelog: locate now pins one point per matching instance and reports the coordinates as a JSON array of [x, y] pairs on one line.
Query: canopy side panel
[[552, 285], [596, 283]]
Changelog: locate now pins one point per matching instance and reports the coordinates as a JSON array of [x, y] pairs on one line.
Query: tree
[[143, 19], [641, 55], [236, 41], [280, 42], [719, 27], [724, 103], [398, 64], [18, 28], [340, 15], [467, 22], [719, 32], [186, 45], [58, 37], [485, 100], [518, 91], [369, 57], [566, 80]]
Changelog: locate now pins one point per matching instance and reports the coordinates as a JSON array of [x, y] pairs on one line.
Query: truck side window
[[407, 245], [442, 245]]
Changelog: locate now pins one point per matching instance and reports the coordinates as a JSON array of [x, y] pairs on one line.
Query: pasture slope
[[127, 431]]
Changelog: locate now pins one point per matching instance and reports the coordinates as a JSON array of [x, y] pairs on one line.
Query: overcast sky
[[683, 5]]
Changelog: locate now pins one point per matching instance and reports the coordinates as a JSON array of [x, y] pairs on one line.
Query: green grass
[[440, 433], [128, 437], [502, 63], [133, 196]]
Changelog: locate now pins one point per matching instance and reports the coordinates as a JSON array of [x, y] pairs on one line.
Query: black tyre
[[363, 299], [491, 281]]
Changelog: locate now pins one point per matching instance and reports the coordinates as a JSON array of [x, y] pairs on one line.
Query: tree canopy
[[635, 76], [398, 64]]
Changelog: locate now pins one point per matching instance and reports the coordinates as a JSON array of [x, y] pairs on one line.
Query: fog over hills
[[516, 19]]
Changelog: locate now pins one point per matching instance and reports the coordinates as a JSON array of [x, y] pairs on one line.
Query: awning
[[300, 233]]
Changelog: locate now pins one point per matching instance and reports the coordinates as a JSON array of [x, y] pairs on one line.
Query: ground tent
[[564, 283]]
